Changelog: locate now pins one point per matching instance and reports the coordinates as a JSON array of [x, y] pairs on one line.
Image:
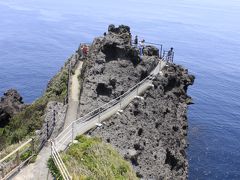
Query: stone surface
[[151, 132], [53, 122], [10, 104], [113, 66]]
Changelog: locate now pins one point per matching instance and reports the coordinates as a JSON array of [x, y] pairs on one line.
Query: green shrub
[[26, 155], [53, 169], [31, 118], [93, 159]]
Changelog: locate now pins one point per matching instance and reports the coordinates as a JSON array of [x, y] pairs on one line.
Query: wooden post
[[2, 172], [47, 130], [32, 146], [18, 159]]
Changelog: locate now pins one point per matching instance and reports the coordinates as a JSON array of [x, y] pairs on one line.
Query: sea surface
[[37, 36]]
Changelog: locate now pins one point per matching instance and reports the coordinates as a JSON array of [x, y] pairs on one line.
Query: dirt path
[[74, 96], [39, 169]]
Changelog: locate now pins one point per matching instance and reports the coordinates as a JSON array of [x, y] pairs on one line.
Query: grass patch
[[93, 159]]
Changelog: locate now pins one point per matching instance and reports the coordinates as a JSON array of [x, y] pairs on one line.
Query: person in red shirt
[[85, 50]]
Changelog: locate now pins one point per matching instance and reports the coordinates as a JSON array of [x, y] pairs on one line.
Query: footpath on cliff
[[74, 96], [39, 169]]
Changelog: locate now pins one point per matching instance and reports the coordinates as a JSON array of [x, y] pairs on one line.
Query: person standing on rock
[[170, 55], [141, 46], [85, 50], [80, 50], [136, 41]]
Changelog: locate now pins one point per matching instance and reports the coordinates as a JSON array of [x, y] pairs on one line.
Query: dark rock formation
[[113, 66], [54, 118], [10, 104], [151, 133]]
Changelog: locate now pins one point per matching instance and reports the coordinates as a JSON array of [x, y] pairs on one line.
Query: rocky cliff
[[150, 133], [112, 67], [10, 104]]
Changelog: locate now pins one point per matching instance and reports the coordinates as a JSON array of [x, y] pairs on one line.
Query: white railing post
[[137, 89], [160, 65], [73, 123], [120, 102], [99, 116]]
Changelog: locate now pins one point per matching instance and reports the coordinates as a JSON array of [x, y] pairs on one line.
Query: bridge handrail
[[59, 162], [102, 108], [13, 161], [16, 150]]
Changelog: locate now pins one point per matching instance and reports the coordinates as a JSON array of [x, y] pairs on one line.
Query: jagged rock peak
[[118, 30], [12, 95], [10, 104]]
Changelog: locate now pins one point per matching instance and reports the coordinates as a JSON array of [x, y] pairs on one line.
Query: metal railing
[[12, 163], [59, 163], [90, 120], [168, 56]]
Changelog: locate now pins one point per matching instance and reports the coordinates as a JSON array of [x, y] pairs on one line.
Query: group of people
[[140, 44]]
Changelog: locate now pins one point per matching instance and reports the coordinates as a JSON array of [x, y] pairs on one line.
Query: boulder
[[150, 51], [10, 104]]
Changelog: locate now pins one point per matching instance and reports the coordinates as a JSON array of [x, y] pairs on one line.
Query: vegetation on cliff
[[91, 158], [24, 123]]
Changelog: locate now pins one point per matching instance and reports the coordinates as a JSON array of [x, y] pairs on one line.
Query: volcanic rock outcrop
[[112, 67], [10, 104], [150, 133]]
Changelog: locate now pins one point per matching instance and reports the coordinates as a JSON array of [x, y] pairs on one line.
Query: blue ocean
[[37, 36]]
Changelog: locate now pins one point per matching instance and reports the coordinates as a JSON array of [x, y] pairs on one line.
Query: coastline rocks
[[151, 133], [10, 104]]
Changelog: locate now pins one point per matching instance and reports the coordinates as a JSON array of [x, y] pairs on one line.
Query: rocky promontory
[[112, 67], [150, 133]]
